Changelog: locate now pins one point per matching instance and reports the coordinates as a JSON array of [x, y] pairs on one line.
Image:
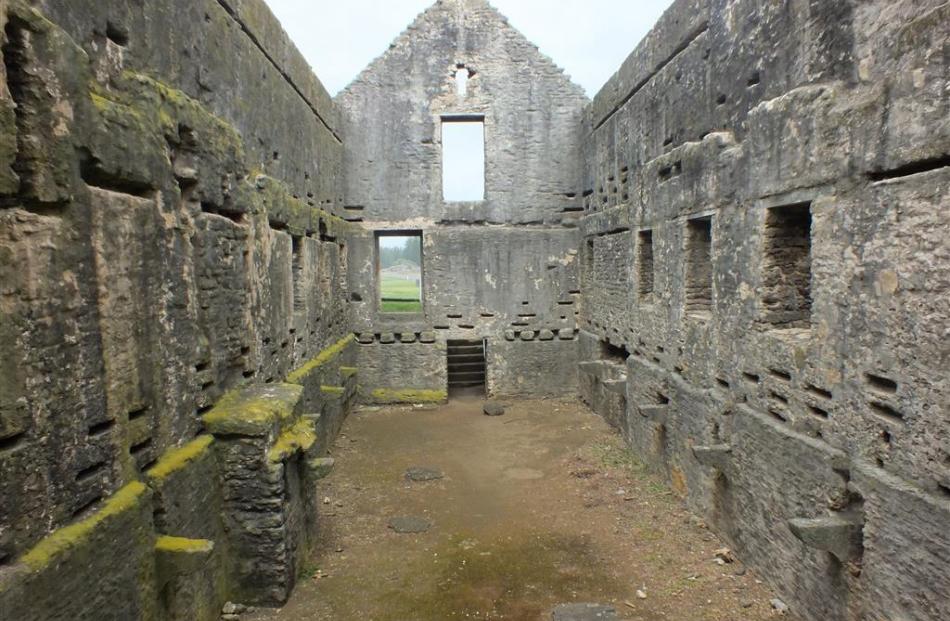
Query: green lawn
[[399, 296]]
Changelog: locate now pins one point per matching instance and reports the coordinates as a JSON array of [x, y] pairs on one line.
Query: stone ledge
[[176, 459], [323, 358], [298, 438], [178, 556], [408, 395], [61, 541], [255, 411]]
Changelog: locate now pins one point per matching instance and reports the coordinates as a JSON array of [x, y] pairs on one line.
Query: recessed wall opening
[[699, 271], [463, 158], [461, 81], [786, 267], [399, 271], [645, 265], [467, 368]]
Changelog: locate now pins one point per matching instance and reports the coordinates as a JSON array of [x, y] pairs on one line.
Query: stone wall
[[169, 173], [505, 263], [764, 214]]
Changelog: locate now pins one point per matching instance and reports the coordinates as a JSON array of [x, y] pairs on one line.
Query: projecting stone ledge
[[253, 412], [617, 386], [840, 536], [718, 456], [176, 556]]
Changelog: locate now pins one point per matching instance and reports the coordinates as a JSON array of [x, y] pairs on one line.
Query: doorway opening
[[466, 362]]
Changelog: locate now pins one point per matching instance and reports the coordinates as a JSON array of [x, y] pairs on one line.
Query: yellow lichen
[[176, 459], [322, 358], [408, 395], [175, 545], [332, 390], [300, 437], [253, 411], [348, 371], [69, 537]]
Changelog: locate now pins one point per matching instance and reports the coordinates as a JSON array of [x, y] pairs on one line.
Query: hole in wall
[[400, 271], [117, 33], [645, 263], [463, 159], [786, 271], [881, 383], [699, 268]]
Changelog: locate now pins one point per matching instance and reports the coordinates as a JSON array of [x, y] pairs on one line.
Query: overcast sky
[[588, 38]]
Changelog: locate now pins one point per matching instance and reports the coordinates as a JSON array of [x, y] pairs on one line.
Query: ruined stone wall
[[506, 263], [168, 176], [764, 228]]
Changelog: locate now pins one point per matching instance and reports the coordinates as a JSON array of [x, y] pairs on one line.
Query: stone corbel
[[838, 535]]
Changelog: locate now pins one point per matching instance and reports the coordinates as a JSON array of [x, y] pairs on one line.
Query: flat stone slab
[[493, 408], [420, 475], [584, 612], [410, 525]]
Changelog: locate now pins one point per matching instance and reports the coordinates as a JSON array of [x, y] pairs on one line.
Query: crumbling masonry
[[737, 254]]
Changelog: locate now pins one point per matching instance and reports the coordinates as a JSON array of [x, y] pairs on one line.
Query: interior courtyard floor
[[540, 507]]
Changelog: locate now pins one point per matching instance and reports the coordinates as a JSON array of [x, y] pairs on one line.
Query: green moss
[[181, 545], [333, 390], [348, 371], [408, 395], [300, 437], [65, 539], [253, 411], [176, 459], [322, 358]]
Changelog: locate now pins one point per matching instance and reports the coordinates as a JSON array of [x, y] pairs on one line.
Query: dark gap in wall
[[527, 315], [881, 384], [12, 442], [777, 415], [779, 396], [752, 377], [94, 175], [613, 353], [355, 297], [786, 277], [139, 413], [886, 437], [91, 472], [101, 428], [943, 489], [782, 375], [234, 216], [137, 449], [886, 411], [913, 168], [721, 100], [117, 33], [87, 507], [276, 225], [205, 409], [821, 392], [817, 411], [645, 262], [699, 269], [723, 383], [662, 399], [754, 79], [453, 316], [299, 295]]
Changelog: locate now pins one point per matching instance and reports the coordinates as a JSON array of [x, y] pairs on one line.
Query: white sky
[[588, 38]]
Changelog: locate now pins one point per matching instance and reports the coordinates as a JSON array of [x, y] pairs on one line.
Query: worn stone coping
[[327, 355], [253, 411], [408, 395], [298, 438], [63, 540], [177, 459]]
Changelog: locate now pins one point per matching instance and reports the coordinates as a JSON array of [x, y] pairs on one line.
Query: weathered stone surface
[[493, 408], [421, 475], [410, 525], [584, 612]]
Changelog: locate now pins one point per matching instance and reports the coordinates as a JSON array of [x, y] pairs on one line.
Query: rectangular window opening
[[645, 264], [463, 159], [699, 271], [786, 270], [399, 264]]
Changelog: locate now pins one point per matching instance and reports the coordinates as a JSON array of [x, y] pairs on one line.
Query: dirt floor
[[539, 507]]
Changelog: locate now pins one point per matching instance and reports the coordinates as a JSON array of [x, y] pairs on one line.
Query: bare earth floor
[[539, 507]]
